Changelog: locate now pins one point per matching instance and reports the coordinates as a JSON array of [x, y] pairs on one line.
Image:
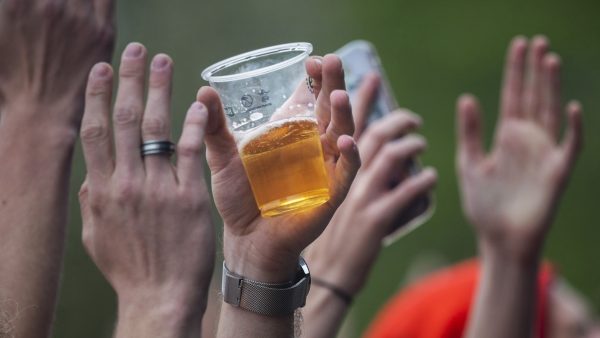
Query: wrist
[[160, 315], [509, 254], [34, 123], [245, 259]]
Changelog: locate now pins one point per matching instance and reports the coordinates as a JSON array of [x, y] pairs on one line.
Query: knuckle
[[193, 201], [97, 87], [127, 116], [94, 132], [155, 126], [126, 192], [189, 150], [158, 197], [131, 69]]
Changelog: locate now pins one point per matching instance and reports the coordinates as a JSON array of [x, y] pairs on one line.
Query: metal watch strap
[[266, 298]]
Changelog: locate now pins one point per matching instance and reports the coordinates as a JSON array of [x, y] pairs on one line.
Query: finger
[[341, 123], [105, 10], [81, 8], [393, 158], [189, 149], [346, 168], [391, 205], [128, 109], [96, 136], [333, 79], [550, 109], [390, 127], [365, 99], [156, 125], [469, 130], [573, 140], [314, 69], [532, 94], [513, 79], [220, 144]]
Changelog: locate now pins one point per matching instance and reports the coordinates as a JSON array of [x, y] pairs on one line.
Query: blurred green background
[[432, 51]]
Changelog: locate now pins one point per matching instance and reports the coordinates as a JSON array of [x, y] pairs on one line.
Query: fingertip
[[101, 70], [134, 50], [346, 144], [211, 100], [339, 98], [161, 61], [373, 78], [430, 174], [467, 103], [540, 42], [552, 61], [519, 41], [400, 114], [198, 112], [332, 65], [574, 107]]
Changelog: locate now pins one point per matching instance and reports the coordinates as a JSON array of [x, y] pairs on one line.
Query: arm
[[146, 222], [40, 110], [267, 249], [342, 257], [511, 194]]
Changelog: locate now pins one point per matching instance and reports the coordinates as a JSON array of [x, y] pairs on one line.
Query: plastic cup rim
[[208, 73]]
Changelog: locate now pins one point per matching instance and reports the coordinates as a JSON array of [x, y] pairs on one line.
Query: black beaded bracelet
[[343, 295]]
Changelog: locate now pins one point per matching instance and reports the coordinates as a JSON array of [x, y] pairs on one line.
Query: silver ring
[[156, 147]]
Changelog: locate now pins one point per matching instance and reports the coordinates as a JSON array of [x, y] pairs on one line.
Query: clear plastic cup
[[270, 106]]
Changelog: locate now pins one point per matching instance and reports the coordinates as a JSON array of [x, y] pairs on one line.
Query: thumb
[[86, 216], [220, 143]]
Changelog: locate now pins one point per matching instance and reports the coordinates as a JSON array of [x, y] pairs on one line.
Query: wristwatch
[[267, 299]]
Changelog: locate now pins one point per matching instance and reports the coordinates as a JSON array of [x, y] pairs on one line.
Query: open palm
[[510, 194]]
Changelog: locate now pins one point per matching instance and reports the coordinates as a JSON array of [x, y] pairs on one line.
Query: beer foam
[[245, 138]]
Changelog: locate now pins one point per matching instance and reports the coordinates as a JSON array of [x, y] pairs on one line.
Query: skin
[[42, 78], [570, 315], [146, 222], [267, 249], [510, 195], [346, 251]]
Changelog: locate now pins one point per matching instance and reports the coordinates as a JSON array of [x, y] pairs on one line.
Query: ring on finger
[[157, 147]]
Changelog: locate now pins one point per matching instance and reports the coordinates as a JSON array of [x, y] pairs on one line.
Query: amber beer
[[284, 163]]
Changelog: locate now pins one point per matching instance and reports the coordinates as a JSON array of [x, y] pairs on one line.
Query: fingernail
[[199, 106], [160, 62], [133, 50], [101, 70], [318, 60]]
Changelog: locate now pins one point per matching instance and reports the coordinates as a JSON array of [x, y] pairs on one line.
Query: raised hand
[[146, 222], [47, 49], [511, 194], [341, 258], [269, 247]]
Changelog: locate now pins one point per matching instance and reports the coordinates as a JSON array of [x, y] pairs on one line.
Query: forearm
[[324, 313], [34, 180], [506, 297]]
